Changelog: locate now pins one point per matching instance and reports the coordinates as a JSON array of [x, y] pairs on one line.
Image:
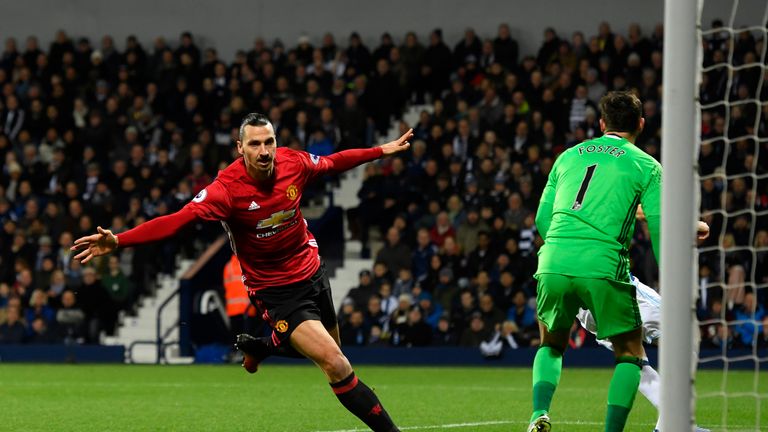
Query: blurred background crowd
[[95, 135]]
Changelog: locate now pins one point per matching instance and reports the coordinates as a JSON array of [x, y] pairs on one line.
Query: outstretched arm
[[546, 204], [702, 228], [650, 199], [347, 159], [544, 213], [105, 242]]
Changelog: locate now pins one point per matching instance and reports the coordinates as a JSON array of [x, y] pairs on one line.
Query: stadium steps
[[143, 326], [345, 196], [346, 277]]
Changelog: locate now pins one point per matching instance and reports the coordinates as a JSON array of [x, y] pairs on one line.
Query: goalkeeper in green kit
[[586, 217]]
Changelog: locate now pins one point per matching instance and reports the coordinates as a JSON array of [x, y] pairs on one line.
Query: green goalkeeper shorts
[[612, 303]]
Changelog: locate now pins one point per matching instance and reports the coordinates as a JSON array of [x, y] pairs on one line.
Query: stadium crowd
[[89, 133]]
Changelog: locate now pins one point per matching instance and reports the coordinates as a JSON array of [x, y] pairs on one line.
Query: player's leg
[[649, 302], [650, 384], [614, 307], [547, 368], [315, 342], [327, 311], [650, 387], [629, 352], [334, 332], [556, 307], [284, 308], [256, 349]]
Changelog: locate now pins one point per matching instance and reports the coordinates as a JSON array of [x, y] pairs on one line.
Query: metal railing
[[160, 339]]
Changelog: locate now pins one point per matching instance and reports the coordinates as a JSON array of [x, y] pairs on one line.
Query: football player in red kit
[[256, 198]]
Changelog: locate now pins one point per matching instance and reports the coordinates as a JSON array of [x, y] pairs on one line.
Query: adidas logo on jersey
[[254, 206]]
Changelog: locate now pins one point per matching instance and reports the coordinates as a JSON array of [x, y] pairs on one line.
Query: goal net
[[732, 279]]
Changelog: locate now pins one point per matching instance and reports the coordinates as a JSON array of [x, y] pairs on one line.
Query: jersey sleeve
[[317, 166], [212, 203], [650, 198], [156, 229], [546, 204]]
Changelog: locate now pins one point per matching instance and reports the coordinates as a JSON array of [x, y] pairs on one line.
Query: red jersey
[[263, 220]]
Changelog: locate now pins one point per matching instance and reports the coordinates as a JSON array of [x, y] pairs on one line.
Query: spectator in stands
[[404, 282], [751, 316], [71, 319], [502, 338], [13, 117], [354, 332], [446, 289], [452, 258], [490, 313], [389, 302], [387, 93], [431, 311], [524, 316], [5, 293], [413, 332], [475, 333], [13, 330], [364, 290], [345, 309], [437, 65], [117, 289], [400, 315], [40, 333], [481, 257], [469, 230], [376, 316], [381, 274], [38, 308], [23, 287], [443, 335], [463, 310], [505, 48], [422, 254], [395, 254], [91, 296], [713, 333]]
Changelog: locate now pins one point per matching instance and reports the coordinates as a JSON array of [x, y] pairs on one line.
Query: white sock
[[650, 387]]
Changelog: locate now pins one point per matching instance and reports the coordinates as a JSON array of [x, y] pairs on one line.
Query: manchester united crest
[[292, 192], [281, 326]]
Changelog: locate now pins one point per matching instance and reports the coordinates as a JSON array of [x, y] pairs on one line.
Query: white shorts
[[649, 302]]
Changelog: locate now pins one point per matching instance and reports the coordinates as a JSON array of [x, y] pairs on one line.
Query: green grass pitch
[[296, 398]]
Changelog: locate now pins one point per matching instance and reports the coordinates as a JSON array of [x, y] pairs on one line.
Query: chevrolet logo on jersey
[[276, 219]]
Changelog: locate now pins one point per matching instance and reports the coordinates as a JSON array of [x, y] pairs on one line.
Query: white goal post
[[679, 213]]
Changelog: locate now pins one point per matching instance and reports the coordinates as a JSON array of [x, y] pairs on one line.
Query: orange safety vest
[[234, 289]]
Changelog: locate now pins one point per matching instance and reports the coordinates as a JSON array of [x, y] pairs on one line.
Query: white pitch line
[[511, 422], [443, 426], [483, 423]]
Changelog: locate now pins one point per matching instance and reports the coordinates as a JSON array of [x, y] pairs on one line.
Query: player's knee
[[336, 365], [628, 344], [637, 361], [555, 341], [557, 349]]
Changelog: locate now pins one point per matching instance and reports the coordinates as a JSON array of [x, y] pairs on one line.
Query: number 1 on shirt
[[583, 189]]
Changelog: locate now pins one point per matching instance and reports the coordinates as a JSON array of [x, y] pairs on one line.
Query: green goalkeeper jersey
[[587, 211]]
